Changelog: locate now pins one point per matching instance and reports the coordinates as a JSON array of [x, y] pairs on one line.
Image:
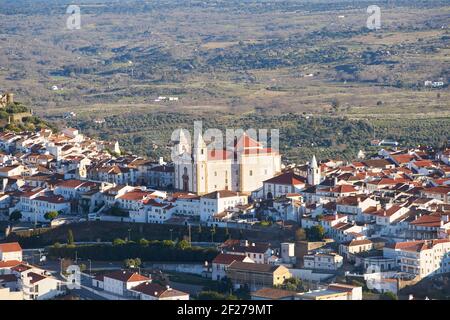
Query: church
[[239, 167]]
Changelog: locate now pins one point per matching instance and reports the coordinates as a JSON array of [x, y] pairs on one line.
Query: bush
[[120, 250], [51, 215], [388, 296]]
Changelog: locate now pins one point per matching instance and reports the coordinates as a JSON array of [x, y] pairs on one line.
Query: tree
[[300, 234], [70, 240], [82, 267], [15, 216], [132, 263], [144, 242], [213, 232], [118, 242], [315, 233], [293, 284], [51, 215], [183, 244]]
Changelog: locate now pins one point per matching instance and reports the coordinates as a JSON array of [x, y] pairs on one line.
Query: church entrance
[[185, 180]]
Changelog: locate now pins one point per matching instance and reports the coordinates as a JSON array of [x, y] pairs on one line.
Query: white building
[[218, 201], [223, 261], [10, 252], [283, 184], [421, 258], [120, 282], [323, 261]]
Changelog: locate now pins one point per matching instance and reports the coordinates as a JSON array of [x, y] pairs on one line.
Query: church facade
[[241, 167]]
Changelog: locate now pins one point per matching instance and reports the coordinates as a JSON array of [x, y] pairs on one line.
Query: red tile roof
[[158, 291], [344, 189], [228, 259], [9, 264], [10, 247], [287, 178], [126, 276]]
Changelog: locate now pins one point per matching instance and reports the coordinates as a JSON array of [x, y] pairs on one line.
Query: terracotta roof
[[247, 142], [359, 242], [21, 267], [126, 276], [342, 287], [344, 189], [70, 183], [221, 194], [403, 158], [228, 259], [273, 294], [432, 220], [35, 277], [439, 189], [136, 195], [417, 246], [10, 247], [352, 200], [253, 267], [9, 264], [287, 178], [158, 291]]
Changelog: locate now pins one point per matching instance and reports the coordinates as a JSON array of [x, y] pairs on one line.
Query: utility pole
[[189, 228]]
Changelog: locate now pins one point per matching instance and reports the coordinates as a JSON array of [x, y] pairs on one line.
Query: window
[[251, 173]]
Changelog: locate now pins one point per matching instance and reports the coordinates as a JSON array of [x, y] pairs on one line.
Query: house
[[39, 286], [153, 291], [120, 282], [348, 249], [283, 184], [258, 252], [256, 275], [441, 193], [421, 258], [35, 283], [219, 201], [354, 206], [221, 263], [324, 294], [353, 292], [323, 261], [10, 251]]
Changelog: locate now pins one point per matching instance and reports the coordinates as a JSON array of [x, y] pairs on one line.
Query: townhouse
[[221, 263], [421, 258], [256, 275], [153, 291]]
